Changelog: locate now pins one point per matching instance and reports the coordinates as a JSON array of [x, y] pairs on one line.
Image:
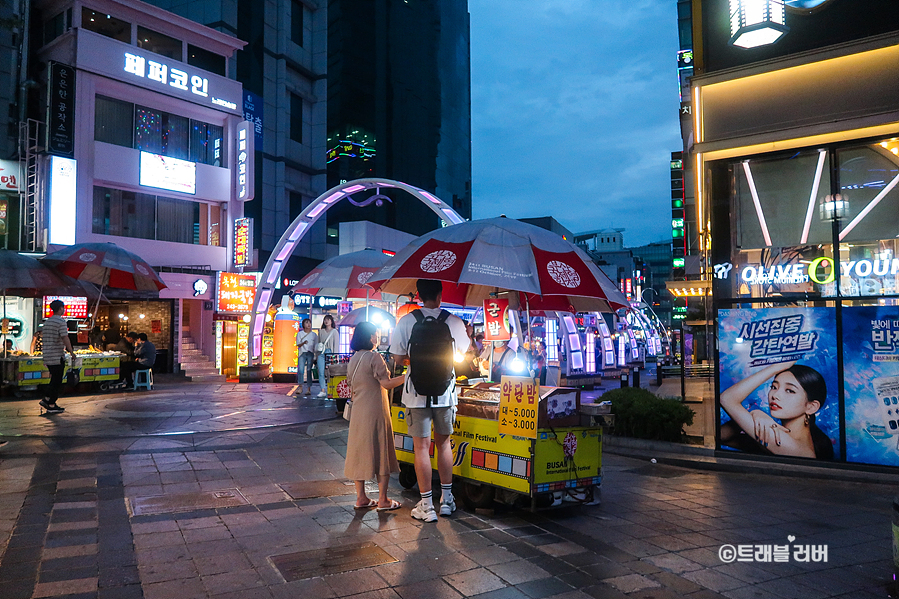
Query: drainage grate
[[333, 560], [186, 502], [318, 488]]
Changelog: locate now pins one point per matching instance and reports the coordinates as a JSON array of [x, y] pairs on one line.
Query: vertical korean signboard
[[779, 385], [871, 384], [243, 241], [246, 161], [61, 110], [496, 320]]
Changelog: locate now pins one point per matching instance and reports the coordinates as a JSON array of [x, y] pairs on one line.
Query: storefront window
[[113, 121], [178, 220], [146, 216], [869, 198], [107, 25]]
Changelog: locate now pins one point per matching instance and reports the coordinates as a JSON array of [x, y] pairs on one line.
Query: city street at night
[[233, 490]]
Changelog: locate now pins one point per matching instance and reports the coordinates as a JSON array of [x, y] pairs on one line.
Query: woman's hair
[[328, 318], [811, 382], [815, 389], [305, 320], [362, 336]]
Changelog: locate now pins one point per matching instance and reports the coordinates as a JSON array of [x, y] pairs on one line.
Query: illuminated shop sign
[[820, 270], [63, 179], [76, 307], [164, 172], [133, 65], [235, 292], [246, 152], [321, 301], [242, 241]]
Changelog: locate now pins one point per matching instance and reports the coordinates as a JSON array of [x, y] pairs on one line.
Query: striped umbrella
[[107, 265]]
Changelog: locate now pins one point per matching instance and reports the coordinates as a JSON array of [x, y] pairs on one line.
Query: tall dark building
[[399, 105]]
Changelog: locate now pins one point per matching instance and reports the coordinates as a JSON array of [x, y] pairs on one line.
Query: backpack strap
[[442, 316], [419, 317]]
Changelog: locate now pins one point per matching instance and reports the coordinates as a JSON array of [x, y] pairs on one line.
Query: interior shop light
[[833, 207], [755, 23]]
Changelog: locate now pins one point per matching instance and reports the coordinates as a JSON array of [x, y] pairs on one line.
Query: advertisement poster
[[779, 394], [871, 384]]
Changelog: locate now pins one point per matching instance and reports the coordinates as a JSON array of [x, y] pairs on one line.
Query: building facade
[[399, 106], [796, 146]]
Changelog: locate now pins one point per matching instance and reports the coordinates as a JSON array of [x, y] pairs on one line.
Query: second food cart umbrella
[[106, 265], [480, 258], [345, 275]]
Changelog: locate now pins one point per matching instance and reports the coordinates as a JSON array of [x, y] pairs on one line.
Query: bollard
[[623, 380], [636, 382]]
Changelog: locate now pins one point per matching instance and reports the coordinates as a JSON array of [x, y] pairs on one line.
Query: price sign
[[518, 401]]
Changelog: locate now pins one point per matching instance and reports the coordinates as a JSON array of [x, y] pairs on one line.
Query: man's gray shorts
[[419, 421]]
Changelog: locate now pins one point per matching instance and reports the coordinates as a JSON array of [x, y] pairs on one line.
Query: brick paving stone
[[631, 583], [474, 582], [518, 571], [544, 587]]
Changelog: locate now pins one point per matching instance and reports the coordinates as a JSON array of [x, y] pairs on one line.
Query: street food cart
[[557, 457], [27, 371]]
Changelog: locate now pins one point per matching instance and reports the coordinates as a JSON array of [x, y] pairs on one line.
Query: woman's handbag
[[349, 403], [320, 347]]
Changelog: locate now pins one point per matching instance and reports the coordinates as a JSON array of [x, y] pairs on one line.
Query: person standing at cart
[[327, 344], [306, 342], [448, 338], [55, 344]]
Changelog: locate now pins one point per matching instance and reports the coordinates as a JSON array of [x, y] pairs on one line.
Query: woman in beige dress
[[369, 451]]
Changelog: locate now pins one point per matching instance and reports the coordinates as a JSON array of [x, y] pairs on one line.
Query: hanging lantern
[[833, 207], [406, 308], [755, 23]]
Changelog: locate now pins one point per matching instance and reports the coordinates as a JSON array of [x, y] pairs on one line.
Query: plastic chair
[[143, 379]]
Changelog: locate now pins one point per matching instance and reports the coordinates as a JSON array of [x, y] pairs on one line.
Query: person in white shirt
[[420, 413], [56, 344], [327, 340], [307, 340]]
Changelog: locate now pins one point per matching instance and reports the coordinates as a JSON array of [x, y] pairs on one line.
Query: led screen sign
[[76, 307], [242, 241], [63, 178], [164, 172], [235, 292]]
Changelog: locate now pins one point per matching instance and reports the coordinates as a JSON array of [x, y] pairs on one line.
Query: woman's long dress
[[370, 451]]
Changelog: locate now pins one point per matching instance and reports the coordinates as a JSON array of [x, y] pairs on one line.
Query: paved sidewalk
[[95, 517]]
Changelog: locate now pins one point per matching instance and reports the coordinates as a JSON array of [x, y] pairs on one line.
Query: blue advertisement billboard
[[778, 381], [871, 384]]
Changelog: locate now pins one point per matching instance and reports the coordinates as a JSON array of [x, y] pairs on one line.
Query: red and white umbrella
[[477, 259], [344, 276], [107, 265]]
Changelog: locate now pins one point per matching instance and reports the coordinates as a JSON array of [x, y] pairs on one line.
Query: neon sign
[[241, 242]]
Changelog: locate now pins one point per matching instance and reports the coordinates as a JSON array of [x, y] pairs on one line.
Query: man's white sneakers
[[425, 513], [447, 507]]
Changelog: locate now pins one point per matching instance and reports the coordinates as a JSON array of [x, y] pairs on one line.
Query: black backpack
[[431, 355]]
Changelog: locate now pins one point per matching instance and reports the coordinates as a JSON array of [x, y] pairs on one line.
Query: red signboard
[[242, 242], [496, 320], [76, 307], [235, 292], [3, 216]]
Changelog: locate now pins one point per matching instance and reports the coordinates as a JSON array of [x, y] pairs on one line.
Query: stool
[[143, 379]]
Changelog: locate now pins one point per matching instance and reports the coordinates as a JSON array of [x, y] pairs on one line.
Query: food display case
[[563, 460]]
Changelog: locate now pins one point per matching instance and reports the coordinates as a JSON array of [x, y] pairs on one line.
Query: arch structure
[[303, 223]]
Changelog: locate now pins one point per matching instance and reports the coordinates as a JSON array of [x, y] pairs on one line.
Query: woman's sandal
[[371, 503], [394, 505]]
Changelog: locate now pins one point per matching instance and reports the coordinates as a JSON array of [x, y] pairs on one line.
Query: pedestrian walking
[[430, 337], [327, 344], [369, 449], [306, 342], [55, 345]]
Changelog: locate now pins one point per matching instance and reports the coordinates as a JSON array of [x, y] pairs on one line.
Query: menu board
[[518, 402], [76, 307]]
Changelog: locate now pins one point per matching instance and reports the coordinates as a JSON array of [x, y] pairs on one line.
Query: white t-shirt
[[310, 338], [399, 345]]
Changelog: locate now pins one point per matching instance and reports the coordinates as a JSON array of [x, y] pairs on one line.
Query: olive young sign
[[132, 65], [820, 270]]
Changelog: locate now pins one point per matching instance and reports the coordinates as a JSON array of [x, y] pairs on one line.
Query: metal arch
[[298, 228]]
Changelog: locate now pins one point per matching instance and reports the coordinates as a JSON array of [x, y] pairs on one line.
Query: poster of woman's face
[[778, 382]]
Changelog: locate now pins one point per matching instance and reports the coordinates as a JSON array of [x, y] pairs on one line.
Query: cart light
[[376, 318], [458, 357], [517, 365]]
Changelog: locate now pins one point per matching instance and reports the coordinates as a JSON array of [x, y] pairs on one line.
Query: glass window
[[159, 43], [58, 25], [124, 213], [113, 121], [178, 220], [207, 143], [868, 202], [297, 21], [206, 60], [296, 118], [106, 25], [161, 133], [148, 130]]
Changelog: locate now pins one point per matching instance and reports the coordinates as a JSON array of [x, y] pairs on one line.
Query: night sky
[[574, 112]]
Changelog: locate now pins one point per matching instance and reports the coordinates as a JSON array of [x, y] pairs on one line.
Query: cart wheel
[[407, 476], [478, 496], [104, 386]]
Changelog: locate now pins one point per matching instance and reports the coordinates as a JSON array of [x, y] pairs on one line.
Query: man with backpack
[[430, 337]]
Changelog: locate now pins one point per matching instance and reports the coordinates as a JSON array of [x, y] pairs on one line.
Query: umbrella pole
[[527, 314], [96, 307], [366, 303]]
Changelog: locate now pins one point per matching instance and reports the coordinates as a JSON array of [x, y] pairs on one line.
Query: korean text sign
[[236, 292], [519, 399], [496, 320]]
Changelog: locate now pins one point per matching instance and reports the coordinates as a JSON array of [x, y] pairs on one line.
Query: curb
[[704, 458]]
